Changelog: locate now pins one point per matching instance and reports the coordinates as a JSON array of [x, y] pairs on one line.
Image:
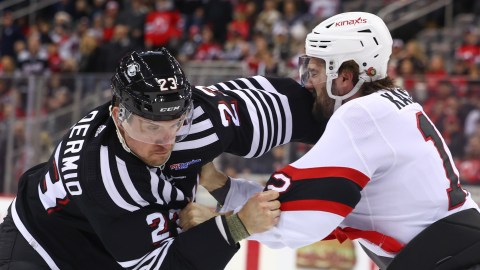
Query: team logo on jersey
[[99, 129], [184, 165]]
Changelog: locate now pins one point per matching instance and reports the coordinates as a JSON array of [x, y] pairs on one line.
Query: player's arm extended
[[230, 193], [150, 237]]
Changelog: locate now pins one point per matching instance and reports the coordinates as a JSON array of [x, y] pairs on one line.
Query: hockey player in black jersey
[[109, 196]]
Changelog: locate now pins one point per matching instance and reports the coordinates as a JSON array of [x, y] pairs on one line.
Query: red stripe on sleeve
[[317, 205], [323, 172]]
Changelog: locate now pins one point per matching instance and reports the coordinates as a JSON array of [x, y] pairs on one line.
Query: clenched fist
[[261, 212], [194, 214]]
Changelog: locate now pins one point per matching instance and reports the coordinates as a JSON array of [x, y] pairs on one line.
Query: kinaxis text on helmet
[[350, 22]]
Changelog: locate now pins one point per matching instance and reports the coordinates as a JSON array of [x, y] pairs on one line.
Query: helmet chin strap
[[339, 99], [125, 146]]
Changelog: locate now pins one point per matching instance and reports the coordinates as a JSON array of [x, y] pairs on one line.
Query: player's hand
[[261, 212], [194, 214]]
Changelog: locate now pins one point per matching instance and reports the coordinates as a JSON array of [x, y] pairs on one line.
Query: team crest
[[132, 69]]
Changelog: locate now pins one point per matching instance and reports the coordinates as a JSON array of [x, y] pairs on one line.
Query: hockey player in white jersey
[[381, 173]]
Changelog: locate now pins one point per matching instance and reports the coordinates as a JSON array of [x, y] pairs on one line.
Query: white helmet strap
[[340, 99]]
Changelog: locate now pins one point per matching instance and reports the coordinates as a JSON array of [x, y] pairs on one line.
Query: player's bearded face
[[323, 105], [316, 82]]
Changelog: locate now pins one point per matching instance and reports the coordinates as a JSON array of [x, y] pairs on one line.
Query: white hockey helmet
[[358, 36]]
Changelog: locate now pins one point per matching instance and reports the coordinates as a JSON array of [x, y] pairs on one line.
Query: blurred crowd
[[90, 36]]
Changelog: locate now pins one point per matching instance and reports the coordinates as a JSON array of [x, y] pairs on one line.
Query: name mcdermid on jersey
[[109, 210]]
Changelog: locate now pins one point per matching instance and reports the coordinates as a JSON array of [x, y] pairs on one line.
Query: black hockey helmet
[[152, 85]]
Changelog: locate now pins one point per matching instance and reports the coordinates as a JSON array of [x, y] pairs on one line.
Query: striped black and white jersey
[[94, 205]]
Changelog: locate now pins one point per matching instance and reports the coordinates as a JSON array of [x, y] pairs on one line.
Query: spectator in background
[[236, 46], [7, 65], [44, 31], [437, 97], [258, 48], [189, 46], [133, 15], [436, 67], [469, 50], [239, 25], [89, 54], [54, 60], [281, 41], [397, 54], [472, 109], [209, 48], [193, 15], [290, 15], [436, 71], [218, 13], [451, 128], [96, 30], [415, 54], [33, 60], [62, 35], [119, 45], [10, 33], [470, 166], [163, 26], [82, 9], [267, 17], [320, 9]]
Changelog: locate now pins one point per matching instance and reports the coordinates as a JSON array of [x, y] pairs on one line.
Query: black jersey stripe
[[268, 122], [262, 126], [255, 119], [240, 83], [334, 189], [230, 85], [255, 83], [285, 127]]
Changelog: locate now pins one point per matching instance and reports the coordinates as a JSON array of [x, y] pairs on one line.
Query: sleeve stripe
[[317, 205], [269, 112], [325, 172], [194, 144], [200, 126], [285, 107], [262, 125], [265, 84], [255, 124], [235, 85], [109, 183]]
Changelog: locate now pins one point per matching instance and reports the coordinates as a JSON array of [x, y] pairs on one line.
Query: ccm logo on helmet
[[351, 22], [170, 109]]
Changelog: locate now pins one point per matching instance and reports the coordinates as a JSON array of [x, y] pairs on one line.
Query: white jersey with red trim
[[381, 172]]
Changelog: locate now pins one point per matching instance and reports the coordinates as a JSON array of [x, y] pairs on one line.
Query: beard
[[323, 105]]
